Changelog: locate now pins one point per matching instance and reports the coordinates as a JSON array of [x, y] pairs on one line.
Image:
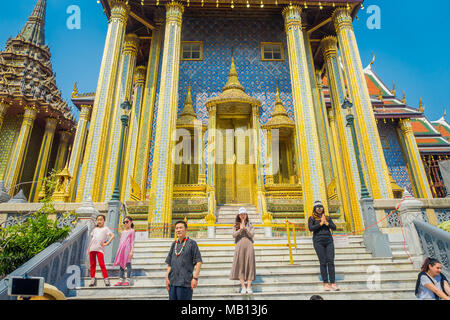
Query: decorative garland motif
[[184, 243]]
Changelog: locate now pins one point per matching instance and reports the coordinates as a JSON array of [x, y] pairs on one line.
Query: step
[[342, 267], [234, 287], [299, 275], [362, 294]]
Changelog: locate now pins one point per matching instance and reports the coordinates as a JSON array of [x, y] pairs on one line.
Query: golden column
[[160, 204], [44, 155], [320, 112], [78, 147], [63, 148], [342, 186], [130, 151], [211, 150], [307, 142], [199, 129], [369, 139], [3, 109], [96, 145], [140, 172], [124, 88], [343, 139], [419, 176], [261, 207], [19, 151]]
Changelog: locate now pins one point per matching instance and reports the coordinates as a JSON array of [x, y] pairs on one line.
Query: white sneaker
[[250, 291], [243, 291]]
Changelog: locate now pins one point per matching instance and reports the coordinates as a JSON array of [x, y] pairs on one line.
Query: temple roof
[[26, 73]]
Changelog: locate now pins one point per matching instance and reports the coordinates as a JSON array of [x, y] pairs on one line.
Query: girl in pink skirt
[[125, 252]]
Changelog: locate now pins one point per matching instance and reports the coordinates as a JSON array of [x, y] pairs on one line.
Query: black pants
[[325, 251], [180, 293]]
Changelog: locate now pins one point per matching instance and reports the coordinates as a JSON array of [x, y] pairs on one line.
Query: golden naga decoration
[[267, 218]]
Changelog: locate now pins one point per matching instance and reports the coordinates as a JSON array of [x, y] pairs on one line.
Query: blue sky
[[411, 47]]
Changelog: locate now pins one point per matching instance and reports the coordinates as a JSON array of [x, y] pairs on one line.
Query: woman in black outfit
[[323, 243]]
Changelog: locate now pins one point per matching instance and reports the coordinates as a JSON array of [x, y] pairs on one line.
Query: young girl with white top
[[96, 249]]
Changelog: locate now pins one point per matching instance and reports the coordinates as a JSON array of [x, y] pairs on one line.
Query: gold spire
[[75, 90], [421, 108], [188, 115], [233, 80], [404, 97], [393, 88], [280, 117]]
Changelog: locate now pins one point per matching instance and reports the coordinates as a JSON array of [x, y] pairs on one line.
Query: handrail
[[288, 225]]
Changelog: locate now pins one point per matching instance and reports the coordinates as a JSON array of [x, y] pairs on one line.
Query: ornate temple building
[[232, 102], [36, 125]]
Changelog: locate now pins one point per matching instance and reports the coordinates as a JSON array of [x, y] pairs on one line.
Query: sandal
[[326, 287], [93, 282], [107, 282], [334, 287], [118, 284]]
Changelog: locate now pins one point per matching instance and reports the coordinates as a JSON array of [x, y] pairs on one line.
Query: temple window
[[272, 51], [192, 50]]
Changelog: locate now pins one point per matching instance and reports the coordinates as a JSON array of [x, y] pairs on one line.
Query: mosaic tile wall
[[394, 155], [207, 77], [8, 134]]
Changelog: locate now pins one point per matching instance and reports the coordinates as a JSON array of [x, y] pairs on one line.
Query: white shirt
[[99, 236]]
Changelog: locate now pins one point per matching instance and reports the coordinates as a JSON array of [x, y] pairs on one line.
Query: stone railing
[[433, 211], [52, 263], [435, 243]]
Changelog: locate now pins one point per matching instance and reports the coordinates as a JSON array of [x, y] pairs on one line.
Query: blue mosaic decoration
[[394, 155], [221, 37]]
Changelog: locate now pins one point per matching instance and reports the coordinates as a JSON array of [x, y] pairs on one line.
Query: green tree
[[21, 242]]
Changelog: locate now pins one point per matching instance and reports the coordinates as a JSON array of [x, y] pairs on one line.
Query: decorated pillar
[[63, 150], [261, 204], [92, 169], [371, 149], [44, 155], [140, 173], [211, 149], [343, 137], [307, 142], [160, 204], [3, 109], [19, 151], [320, 112], [414, 160], [200, 152], [78, 147], [124, 90], [130, 151]]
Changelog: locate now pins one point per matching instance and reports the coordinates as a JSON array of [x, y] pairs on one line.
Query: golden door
[[235, 175]]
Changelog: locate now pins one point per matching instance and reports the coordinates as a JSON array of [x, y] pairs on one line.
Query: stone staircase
[[276, 278], [226, 214]]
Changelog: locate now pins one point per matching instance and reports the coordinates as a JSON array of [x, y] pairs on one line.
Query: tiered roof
[[26, 74]]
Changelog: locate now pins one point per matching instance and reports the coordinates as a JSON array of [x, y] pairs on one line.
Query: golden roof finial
[[380, 95], [421, 108], [373, 60], [233, 80], [75, 90], [404, 97], [393, 88]]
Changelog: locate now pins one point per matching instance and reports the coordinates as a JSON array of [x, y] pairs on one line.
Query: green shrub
[[21, 242], [445, 226]]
